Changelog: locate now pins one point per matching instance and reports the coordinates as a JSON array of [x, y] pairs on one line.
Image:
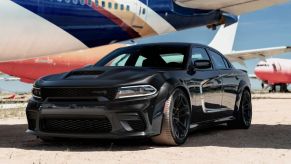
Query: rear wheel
[[176, 120], [244, 114]]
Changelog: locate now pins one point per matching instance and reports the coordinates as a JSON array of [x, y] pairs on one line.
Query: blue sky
[[264, 28]]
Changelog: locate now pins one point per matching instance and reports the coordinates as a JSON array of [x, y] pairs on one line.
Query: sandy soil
[[268, 141]]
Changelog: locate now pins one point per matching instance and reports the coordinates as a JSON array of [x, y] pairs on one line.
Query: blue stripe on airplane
[[94, 29]]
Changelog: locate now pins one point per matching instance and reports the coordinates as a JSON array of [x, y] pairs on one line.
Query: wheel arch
[[170, 86], [186, 93]]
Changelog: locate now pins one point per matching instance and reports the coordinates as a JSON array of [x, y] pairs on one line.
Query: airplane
[[31, 69], [274, 72], [36, 28]]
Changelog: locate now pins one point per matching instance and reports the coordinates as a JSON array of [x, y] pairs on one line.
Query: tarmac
[[267, 141]]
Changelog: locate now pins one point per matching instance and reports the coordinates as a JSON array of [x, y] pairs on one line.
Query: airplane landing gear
[[282, 88]]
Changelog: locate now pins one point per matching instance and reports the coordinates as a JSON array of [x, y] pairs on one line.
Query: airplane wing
[[241, 56], [236, 7]]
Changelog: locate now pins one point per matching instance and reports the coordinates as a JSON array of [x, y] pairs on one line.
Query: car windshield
[[147, 56]]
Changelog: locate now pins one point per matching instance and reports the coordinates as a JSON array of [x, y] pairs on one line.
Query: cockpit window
[[262, 65], [148, 56]]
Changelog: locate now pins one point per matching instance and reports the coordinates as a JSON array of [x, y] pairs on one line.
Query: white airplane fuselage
[[274, 71]]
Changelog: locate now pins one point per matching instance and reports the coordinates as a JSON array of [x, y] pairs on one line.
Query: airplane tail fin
[[223, 41]]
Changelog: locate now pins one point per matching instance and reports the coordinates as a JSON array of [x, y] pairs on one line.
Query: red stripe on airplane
[[132, 33]]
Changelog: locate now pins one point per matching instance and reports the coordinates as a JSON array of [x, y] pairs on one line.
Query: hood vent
[[84, 74]]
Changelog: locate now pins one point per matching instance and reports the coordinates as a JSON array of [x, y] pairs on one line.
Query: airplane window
[[103, 4], [127, 7], [121, 7], [116, 6], [82, 2], [217, 60], [75, 2], [90, 2], [109, 5], [262, 65], [143, 11]]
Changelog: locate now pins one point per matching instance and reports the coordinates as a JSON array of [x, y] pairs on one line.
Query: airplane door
[[139, 11]]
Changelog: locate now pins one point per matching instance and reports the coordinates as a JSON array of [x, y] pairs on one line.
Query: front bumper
[[110, 120]]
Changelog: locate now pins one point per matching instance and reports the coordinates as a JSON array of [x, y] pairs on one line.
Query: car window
[[148, 56], [174, 57], [199, 54], [139, 61], [228, 65], [217, 60], [119, 61]]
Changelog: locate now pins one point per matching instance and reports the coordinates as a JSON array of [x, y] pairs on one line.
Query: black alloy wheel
[[244, 114], [176, 120]]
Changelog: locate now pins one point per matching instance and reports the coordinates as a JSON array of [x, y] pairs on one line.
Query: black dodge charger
[[161, 91]]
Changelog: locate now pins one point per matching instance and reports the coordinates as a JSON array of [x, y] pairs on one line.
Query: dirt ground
[[267, 141]]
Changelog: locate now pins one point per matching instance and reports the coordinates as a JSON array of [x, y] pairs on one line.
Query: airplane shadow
[[258, 136]]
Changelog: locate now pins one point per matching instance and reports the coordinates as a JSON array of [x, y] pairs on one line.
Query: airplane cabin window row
[[103, 4]]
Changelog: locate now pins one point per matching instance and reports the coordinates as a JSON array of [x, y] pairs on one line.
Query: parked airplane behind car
[[35, 28], [31, 69], [274, 72], [161, 91]]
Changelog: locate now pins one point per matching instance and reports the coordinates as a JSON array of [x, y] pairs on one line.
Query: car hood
[[100, 77]]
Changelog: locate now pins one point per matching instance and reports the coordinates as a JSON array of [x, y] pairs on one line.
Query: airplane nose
[[25, 34]]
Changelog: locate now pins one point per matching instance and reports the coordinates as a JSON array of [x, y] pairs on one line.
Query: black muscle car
[[161, 91]]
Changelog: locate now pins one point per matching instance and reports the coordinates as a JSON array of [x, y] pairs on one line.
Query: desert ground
[[267, 141]]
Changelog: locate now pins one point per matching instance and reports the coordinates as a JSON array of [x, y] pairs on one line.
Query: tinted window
[[150, 56], [217, 60], [199, 54], [228, 65]]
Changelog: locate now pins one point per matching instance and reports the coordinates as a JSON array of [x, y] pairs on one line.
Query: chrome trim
[[137, 95]]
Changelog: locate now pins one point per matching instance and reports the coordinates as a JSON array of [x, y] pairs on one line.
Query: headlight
[[36, 92], [135, 91]]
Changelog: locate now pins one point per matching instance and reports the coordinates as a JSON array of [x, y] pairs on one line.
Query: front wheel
[[176, 120], [243, 117]]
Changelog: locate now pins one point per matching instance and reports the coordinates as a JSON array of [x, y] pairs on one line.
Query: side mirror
[[202, 64]]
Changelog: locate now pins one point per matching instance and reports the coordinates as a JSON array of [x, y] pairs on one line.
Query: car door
[[230, 80], [206, 89]]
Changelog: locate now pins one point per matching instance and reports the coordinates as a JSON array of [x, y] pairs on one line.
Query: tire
[[176, 120], [243, 117]]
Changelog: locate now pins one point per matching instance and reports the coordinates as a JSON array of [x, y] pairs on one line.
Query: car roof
[[166, 44]]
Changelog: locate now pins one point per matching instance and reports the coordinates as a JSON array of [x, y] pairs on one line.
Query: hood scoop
[[84, 74]]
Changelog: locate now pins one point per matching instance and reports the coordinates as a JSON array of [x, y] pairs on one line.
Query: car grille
[[100, 125], [78, 93]]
